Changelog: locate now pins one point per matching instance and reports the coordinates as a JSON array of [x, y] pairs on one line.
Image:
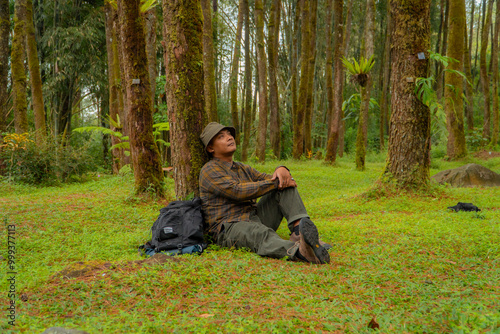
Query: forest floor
[[404, 259]]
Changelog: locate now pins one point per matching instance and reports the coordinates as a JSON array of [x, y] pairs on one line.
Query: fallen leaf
[[373, 324], [205, 315]]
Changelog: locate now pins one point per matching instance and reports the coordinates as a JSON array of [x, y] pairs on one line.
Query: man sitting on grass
[[228, 192]]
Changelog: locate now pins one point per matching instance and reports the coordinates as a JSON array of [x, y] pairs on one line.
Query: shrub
[[48, 164]]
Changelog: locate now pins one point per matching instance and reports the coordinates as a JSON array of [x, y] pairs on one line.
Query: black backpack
[[179, 225]]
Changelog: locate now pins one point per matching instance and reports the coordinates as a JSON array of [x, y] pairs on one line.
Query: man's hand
[[285, 179]]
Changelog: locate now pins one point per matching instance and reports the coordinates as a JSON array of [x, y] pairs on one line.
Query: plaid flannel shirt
[[229, 190]]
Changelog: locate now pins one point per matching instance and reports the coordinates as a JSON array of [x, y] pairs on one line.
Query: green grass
[[406, 260]]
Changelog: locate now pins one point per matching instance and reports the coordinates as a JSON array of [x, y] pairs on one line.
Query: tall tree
[[272, 50], [35, 77], [262, 69], [485, 82], [494, 69], [17, 68], [336, 119], [145, 156], [469, 107], [386, 72], [310, 80], [294, 60], [113, 84], [408, 162], [247, 118], [150, 20], [298, 131], [235, 69], [454, 83], [209, 61], [367, 52], [183, 30], [4, 61], [443, 48]]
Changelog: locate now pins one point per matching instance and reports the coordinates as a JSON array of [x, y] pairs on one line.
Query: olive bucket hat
[[212, 129]]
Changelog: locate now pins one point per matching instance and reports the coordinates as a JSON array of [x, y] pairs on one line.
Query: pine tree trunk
[[17, 65], [494, 69], [35, 78], [298, 132], [262, 69], [338, 77], [4, 62], [469, 106], [247, 120], [235, 69], [469, 47], [150, 31], [209, 69], [295, 56], [183, 24], [454, 83], [121, 79], [362, 135], [273, 44], [485, 82], [145, 156], [329, 65], [310, 81], [408, 162], [347, 30], [384, 100], [444, 47], [113, 85]]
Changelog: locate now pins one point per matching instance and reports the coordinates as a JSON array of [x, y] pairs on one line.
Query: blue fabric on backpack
[[195, 249]]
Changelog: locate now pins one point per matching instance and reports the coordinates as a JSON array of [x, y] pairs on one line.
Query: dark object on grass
[[373, 324], [464, 207], [471, 175]]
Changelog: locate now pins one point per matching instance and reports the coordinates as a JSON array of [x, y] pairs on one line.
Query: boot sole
[[311, 237]]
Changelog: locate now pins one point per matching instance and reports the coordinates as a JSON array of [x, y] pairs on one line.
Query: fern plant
[[359, 71]]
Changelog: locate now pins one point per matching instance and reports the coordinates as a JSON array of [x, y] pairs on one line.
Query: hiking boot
[[295, 236], [309, 246]]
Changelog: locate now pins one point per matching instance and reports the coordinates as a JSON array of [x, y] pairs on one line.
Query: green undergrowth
[[404, 259]]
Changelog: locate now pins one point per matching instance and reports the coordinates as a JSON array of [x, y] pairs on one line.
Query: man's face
[[222, 145]]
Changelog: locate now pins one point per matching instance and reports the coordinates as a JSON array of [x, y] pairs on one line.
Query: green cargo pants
[[259, 233]]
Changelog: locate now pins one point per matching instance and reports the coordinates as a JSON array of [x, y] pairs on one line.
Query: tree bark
[[329, 64], [272, 50], [362, 135], [183, 24], [408, 162], [384, 99], [298, 132], [295, 56], [35, 78], [235, 69], [444, 47], [310, 81], [262, 69], [209, 62], [247, 120], [150, 31], [145, 156], [336, 121], [17, 68], [494, 69], [4, 62], [485, 82], [469, 106], [454, 83], [347, 30], [113, 84]]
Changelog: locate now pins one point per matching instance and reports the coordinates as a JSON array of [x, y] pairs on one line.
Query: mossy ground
[[404, 259]]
